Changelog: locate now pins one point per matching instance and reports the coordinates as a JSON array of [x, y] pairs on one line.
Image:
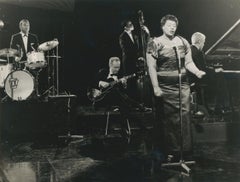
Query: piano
[[225, 53]]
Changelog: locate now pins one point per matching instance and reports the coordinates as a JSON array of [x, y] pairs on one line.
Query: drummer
[[24, 42]]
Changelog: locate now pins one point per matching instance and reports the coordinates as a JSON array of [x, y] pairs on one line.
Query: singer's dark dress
[[167, 126]]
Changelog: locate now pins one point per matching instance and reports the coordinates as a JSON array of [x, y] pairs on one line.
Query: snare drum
[[5, 69], [35, 60], [19, 85]]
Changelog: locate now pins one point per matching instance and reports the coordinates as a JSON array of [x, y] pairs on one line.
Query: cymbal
[[47, 46], [8, 52]]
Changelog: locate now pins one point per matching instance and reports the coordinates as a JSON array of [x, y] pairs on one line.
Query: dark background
[[88, 35]]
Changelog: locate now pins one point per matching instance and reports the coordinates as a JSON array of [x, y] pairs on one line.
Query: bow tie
[[113, 74], [25, 35]]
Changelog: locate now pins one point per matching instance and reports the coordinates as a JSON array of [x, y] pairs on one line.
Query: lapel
[[22, 43]]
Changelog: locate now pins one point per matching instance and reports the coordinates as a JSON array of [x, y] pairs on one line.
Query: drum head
[[19, 85], [4, 71]]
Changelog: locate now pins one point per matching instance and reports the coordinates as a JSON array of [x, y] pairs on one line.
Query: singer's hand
[[157, 91], [200, 74]]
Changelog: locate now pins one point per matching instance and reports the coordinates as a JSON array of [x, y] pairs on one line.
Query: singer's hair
[[169, 17], [113, 59], [197, 38]]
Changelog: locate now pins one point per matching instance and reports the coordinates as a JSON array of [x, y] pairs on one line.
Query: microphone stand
[[181, 162]]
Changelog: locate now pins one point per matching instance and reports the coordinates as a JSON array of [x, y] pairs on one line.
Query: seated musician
[[24, 42], [116, 95], [198, 56]]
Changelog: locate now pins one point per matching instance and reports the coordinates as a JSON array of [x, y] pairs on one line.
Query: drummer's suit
[[17, 43]]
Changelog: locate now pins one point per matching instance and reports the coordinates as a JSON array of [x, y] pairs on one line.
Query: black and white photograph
[[119, 90]]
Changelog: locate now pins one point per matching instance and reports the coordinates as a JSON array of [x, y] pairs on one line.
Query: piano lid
[[229, 43]]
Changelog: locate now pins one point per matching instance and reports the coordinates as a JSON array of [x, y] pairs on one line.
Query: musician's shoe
[[199, 114], [142, 108], [145, 109]]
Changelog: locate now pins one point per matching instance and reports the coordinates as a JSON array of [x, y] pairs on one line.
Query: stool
[[107, 124]]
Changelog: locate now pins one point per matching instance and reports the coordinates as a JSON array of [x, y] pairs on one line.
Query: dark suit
[[130, 54], [198, 57], [17, 43]]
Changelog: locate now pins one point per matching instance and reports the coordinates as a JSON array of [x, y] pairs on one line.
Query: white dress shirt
[[114, 77], [25, 40]]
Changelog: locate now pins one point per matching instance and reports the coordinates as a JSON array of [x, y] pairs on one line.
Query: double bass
[[143, 82]]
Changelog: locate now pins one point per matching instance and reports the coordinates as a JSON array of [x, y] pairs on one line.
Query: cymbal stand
[[181, 162], [57, 71], [48, 71], [53, 73]]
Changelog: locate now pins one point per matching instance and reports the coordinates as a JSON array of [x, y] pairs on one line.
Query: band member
[[198, 41], [131, 54], [24, 41], [117, 95], [198, 56], [162, 59]]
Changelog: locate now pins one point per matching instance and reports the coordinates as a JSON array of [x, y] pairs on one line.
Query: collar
[[197, 47], [24, 34], [111, 74], [128, 32]]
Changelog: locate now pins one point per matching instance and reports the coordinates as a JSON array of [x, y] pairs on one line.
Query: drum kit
[[19, 84]]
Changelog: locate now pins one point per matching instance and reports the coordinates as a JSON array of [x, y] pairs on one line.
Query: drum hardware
[[53, 68], [53, 56], [21, 62]]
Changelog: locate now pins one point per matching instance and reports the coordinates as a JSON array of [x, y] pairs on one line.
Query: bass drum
[[19, 85]]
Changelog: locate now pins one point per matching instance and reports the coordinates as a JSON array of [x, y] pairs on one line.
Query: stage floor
[[112, 159]]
